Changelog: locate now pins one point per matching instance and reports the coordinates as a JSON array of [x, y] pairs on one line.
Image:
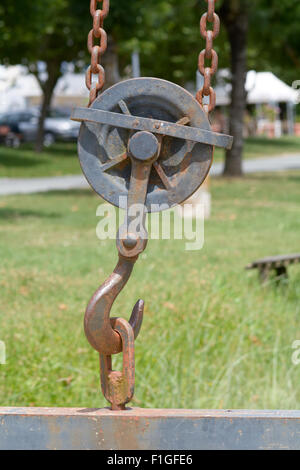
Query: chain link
[[208, 54], [96, 50]]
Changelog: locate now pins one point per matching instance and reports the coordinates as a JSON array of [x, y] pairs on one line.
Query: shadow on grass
[[283, 143], [25, 156], [295, 179], [17, 161], [63, 150], [279, 176], [74, 193], [60, 149], [13, 214]]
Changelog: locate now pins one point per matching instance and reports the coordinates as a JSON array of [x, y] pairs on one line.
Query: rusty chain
[[96, 50], [208, 54]]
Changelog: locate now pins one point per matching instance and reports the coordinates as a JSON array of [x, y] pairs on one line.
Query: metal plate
[[146, 429], [185, 163]]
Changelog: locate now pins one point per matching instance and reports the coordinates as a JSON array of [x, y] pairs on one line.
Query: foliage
[[274, 43], [166, 32], [48, 30]]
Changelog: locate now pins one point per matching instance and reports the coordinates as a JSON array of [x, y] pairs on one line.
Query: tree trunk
[[235, 17], [53, 69], [110, 62]]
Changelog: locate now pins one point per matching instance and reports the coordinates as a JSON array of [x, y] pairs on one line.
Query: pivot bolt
[[143, 146], [130, 241]]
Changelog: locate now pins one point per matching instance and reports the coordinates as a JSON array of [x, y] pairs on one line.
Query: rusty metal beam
[[144, 429], [156, 126]]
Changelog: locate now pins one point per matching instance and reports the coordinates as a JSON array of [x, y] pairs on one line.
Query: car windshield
[[3, 119], [13, 118], [58, 113]]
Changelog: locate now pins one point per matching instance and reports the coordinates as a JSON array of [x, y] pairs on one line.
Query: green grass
[[61, 158], [24, 162], [212, 336], [259, 147]]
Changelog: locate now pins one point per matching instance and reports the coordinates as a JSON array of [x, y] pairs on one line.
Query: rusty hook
[[97, 322]]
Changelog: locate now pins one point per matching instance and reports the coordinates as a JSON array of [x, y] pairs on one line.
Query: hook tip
[[136, 318]]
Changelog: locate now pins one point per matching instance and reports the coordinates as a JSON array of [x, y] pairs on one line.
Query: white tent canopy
[[262, 87], [17, 87], [265, 87], [72, 84]]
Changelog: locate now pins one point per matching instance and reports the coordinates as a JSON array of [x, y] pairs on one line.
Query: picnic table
[[279, 264]]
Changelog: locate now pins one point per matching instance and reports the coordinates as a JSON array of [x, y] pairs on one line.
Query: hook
[[97, 322]]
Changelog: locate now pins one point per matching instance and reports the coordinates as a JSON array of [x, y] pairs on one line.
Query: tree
[[274, 38], [54, 32], [172, 43], [166, 32], [234, 14], [261, 34], [51, 32]]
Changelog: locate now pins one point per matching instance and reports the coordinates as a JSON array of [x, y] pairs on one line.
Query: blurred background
[[213, 336], [44, 56]]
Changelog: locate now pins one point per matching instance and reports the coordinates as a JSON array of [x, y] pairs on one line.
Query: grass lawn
[[61, 158], [259, 147], [212, 336], [24, 162]]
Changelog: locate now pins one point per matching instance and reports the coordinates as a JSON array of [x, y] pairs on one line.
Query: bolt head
[[143, 146], [130, 241]]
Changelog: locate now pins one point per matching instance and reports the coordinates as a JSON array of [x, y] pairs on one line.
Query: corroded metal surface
[[279, 264], [118, 387], [158, 126], [275, 261], [208, 54], [97, 322], [103, 148], [103, 429], [97, 50]]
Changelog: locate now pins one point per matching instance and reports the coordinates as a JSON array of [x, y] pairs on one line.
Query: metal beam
[[148, 429], [156, 126]]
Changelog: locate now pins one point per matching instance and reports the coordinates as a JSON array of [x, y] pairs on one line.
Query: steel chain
[[96, 50], [208, 54]]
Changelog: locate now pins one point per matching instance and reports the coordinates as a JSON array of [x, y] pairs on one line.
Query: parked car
[[10, 133], [21, 126]]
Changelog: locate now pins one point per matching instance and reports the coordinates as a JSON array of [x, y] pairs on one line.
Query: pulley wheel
[[182, 164]]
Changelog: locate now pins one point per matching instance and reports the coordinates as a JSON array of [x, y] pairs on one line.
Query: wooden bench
[[279, 264]]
